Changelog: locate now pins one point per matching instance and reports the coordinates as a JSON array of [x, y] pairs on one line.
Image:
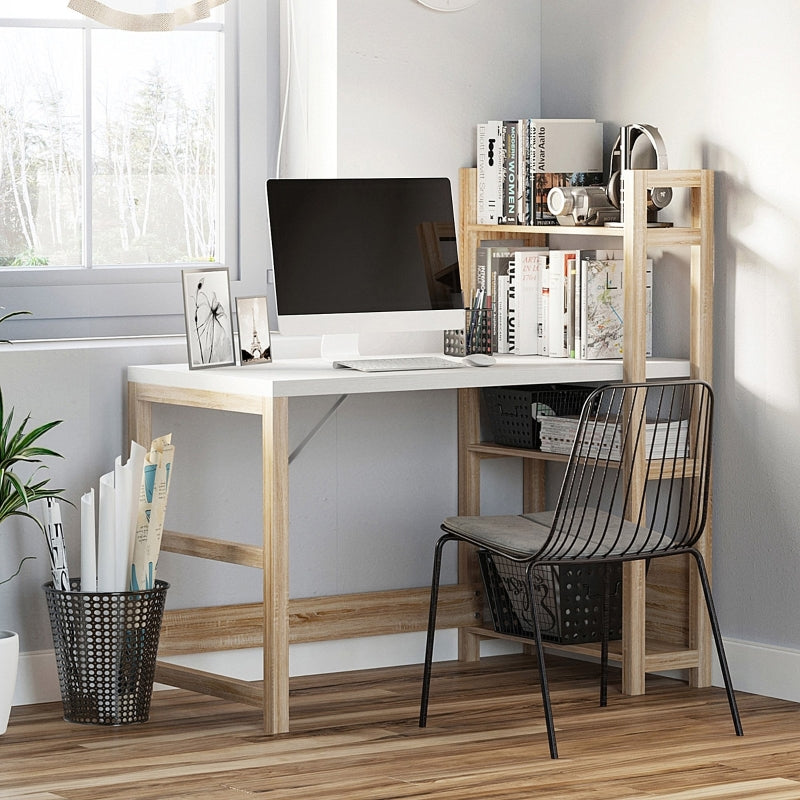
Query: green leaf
[[20, 445]]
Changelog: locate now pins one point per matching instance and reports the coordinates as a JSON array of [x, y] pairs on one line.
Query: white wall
[[719, 80], [359, 520], [413, 82]]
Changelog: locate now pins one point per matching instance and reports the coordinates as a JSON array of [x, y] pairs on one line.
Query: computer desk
[[264, 390]]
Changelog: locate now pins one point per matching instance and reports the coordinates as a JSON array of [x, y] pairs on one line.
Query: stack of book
[[556, 303], [519, 161], [661, 438]]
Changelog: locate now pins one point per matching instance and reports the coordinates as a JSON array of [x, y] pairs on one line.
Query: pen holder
[[479, 335], [106, 645]]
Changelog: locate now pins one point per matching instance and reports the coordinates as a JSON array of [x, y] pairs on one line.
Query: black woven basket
[[570, 599], [514, 411], [106, 645]]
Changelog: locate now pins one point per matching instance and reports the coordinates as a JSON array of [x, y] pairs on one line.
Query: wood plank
[[211, 629], [314, 619], [197, 398], [139, 416], [275, 526], [659, 655], [469, 501], [492, 450], [379, 613], [224, 686], [215, 549], [355, 736], [667, 599]]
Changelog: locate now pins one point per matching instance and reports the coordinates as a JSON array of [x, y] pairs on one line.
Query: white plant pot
[[9, 658]]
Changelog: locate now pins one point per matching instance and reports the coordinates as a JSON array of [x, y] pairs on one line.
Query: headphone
[[657, 197]]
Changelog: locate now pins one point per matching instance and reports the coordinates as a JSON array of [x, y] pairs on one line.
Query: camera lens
[[559, 201]]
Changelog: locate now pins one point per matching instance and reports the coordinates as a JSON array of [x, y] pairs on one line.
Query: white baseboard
[[761, 669], [37, 679], [755, 668]]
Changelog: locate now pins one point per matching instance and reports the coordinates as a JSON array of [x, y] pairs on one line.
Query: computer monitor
[[353, 256]]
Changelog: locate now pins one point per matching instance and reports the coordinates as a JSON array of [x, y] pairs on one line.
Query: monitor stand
[[339, 346]]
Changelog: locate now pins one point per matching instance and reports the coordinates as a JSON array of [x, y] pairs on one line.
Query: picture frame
[[255, 346], [207, 313]]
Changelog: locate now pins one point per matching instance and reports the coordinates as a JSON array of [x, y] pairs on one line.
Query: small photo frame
[[207, 311], [253, 324]]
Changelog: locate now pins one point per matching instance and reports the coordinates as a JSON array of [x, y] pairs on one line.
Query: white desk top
[[309, 377]]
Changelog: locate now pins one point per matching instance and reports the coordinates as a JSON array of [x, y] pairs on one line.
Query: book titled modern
[[520, 160]]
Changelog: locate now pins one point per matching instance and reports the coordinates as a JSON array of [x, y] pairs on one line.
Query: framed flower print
[[207, 310]]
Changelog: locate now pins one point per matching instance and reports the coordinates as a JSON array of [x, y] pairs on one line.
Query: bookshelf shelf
[[661, 655], [656, 237], [664, 620], [492, 450]]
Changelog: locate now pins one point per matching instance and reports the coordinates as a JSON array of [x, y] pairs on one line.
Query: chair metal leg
[[426, 674], [548, 712], [605, 624], [723, 662]]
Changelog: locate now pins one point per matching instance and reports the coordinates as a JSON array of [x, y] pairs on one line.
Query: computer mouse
[[480, 360]]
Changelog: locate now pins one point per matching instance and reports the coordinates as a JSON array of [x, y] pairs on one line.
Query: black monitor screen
[[352, 245]]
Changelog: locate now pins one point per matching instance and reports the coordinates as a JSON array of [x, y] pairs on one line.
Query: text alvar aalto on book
[[121, 543], [520, 160], [559, 303]]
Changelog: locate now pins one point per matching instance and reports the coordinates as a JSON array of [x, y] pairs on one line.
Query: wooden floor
[[355, 736]]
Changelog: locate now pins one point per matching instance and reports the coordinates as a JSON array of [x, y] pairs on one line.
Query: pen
[[476, 306]]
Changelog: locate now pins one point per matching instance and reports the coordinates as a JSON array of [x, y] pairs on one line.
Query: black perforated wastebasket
[[106, 645]]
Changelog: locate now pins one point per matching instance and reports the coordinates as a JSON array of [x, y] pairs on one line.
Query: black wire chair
[[636, 487]]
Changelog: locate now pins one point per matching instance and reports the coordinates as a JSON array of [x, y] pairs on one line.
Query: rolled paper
[[135, 467], [122, 495], [152, 509], [106, 534], [88, 543]]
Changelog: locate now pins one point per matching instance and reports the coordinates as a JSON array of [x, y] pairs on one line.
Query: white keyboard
[[395, 364]]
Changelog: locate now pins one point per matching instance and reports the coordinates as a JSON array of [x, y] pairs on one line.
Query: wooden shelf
[[668, 600], [656, 237], [492, 450], [659, 655]]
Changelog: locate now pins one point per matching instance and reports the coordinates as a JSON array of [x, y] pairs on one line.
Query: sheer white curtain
[[145, 15]]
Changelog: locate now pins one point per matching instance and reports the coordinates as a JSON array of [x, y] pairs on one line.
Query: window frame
[[103, 301]]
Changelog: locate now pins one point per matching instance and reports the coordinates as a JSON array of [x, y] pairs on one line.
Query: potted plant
[[21, 485]]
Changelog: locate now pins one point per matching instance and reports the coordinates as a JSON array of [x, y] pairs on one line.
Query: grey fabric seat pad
[[524, 535]]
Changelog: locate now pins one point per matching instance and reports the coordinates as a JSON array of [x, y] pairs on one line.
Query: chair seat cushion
[[516, 536], [598, 535]]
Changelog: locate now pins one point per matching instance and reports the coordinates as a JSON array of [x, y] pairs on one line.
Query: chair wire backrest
[[637, 479]]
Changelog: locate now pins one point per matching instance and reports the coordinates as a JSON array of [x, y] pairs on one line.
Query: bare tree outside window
[[153, 184], [40, 147], [155, 193]]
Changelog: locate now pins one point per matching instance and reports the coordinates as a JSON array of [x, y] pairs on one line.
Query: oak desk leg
[[275, 466], [469, 504], [140, 417]]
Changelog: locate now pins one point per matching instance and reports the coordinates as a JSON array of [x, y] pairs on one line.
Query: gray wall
[[719, 80], [360, 520]]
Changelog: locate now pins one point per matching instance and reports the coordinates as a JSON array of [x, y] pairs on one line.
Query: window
[[119, 159]]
